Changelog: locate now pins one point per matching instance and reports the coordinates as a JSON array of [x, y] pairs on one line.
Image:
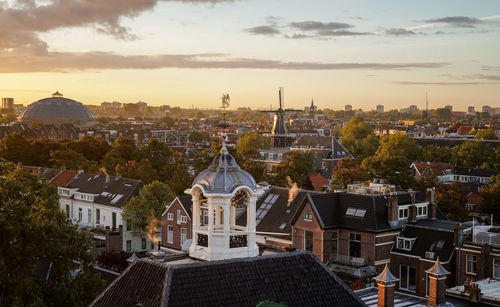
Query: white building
[[222, 189], [97, 202]]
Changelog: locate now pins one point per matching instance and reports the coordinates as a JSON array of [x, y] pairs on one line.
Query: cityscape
[[249, 153]]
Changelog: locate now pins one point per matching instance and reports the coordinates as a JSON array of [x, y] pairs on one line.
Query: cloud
[[319, 26], [440, 83], [458, 21], [486, 77], [490, 68], [263, 30], [399, 32]]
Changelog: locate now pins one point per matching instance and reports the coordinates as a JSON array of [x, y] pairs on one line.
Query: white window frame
[[183, 235], [404, 243], [407, 277], [184, 219], [129, 245], [170, 234], [406, 212], [178, 216], [308, 217], [89, 215], [469, 258], [424, 210], [170, 216], [497, 264]]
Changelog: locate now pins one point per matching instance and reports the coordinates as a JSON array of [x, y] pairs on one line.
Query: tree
[[451, 200], [428, 180], [91, 147], [392, 160], [485, 134], [490, 198], [198, 137], [359, 139], [15, 148], [34, 230], [433, 153], [9, 118], [348, 171], [471, 154], [68, 159], [297, 165], [443, 114], [249, 144], [159, 155], [148, 204]]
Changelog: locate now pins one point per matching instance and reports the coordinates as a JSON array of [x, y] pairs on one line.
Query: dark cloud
[[319, 26], [399, 32], [341, 33], [263, 30], [440, 83], [458, 21], [297, 36]]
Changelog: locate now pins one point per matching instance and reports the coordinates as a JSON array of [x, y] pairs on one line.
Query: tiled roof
[[63, 178], [291, 279], [318, 181], [437, 168], [186, 202]]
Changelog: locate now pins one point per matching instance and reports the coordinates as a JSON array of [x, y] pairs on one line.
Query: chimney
[[458, 235], [437, 284], [432, 204], [385, 283], [392, 208], [413, 209]]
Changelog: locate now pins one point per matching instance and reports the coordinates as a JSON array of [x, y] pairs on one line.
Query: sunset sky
[[187, 53]]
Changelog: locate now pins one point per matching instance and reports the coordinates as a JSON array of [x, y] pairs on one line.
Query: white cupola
[[219, 192]]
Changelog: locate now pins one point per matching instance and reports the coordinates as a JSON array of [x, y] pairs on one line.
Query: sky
[[188, 53]]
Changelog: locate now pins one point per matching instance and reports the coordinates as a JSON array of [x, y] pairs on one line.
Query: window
[[204, 220], [183, 235], [89, 215], [335, 242], [422, 210], [184, 219], [308, 240], [129, 245], [407, 279], [170, 216], [170, 234], [405, 243], [308, 217], [496, 268], [470, 264], [80, 215], [354, 245], [67, 211], [403, 213], [97, 216], [113, 220], [178, 216], [143, 243], [355, 212]]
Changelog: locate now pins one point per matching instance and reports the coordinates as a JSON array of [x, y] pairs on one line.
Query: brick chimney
[[432, 204], [437, 286], [458, 235], [412, 216], [392, 208], [385, 283]]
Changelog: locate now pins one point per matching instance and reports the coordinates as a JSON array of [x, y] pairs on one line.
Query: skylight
[[266, 205], [355, 212]]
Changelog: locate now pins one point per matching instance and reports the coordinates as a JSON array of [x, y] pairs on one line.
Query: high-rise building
[[487, 109], [348, 108], [471, 110], [7, 105], [448, 107], [380, 108]]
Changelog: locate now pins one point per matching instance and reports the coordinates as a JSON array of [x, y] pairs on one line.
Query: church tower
[[219, 193]]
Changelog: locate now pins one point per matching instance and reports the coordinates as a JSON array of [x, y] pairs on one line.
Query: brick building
[[176, 222]]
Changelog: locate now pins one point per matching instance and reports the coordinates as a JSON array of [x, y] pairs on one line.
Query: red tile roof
[[318, 181], [464, 130], [436, 167], [63, 178]]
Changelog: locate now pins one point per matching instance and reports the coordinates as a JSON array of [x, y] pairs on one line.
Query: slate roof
[[114, 191], [331, 210], [278, 217], [291, 279], [316, 141], [57, 108], [431, 235]]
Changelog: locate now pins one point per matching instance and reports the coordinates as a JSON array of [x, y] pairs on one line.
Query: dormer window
[[403, 213], [421, 210], [405, 243]]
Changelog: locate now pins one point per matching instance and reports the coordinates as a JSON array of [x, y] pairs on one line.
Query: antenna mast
[[224, 106]]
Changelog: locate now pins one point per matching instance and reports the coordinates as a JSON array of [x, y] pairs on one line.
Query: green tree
[[9, 118], [433, 153], [159, 155], [451, 199], [490, 198], [297, 165], [427, 181], [348, 171], [249, 144], [443, 114], [472, 154], [199, 137], [358, 138], [485, 134], [150, 203], [91, 147], [15, 148], [392, 160], [202, 160], [103, 120], [33, 230], [68, 159]]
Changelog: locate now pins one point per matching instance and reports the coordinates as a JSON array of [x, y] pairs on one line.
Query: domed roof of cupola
[[224, 175]]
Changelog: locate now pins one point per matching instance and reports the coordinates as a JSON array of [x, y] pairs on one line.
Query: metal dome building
[[58, 110]]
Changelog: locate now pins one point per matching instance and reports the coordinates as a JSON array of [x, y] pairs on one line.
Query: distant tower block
[[380, 108], [471, 110], [348, 108], [7, 105]]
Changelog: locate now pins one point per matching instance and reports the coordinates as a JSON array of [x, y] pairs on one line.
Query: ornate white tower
[[219, 192]]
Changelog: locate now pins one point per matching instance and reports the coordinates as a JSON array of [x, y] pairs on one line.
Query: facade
[[354, 231], [58, 110], [348, 108], [468, 174], [221, 190], [7, 105], [176, 222], [96, 202], [380, 108]]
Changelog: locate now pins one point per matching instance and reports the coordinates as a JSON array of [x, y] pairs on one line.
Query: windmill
[[279, 135]]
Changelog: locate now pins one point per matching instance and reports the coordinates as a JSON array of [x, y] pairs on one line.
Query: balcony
[[347, 260]]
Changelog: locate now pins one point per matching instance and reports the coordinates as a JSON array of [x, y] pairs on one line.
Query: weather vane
[[224, 106]]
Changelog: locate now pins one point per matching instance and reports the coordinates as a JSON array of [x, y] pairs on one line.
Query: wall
[[176, 205], [314, 226]]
